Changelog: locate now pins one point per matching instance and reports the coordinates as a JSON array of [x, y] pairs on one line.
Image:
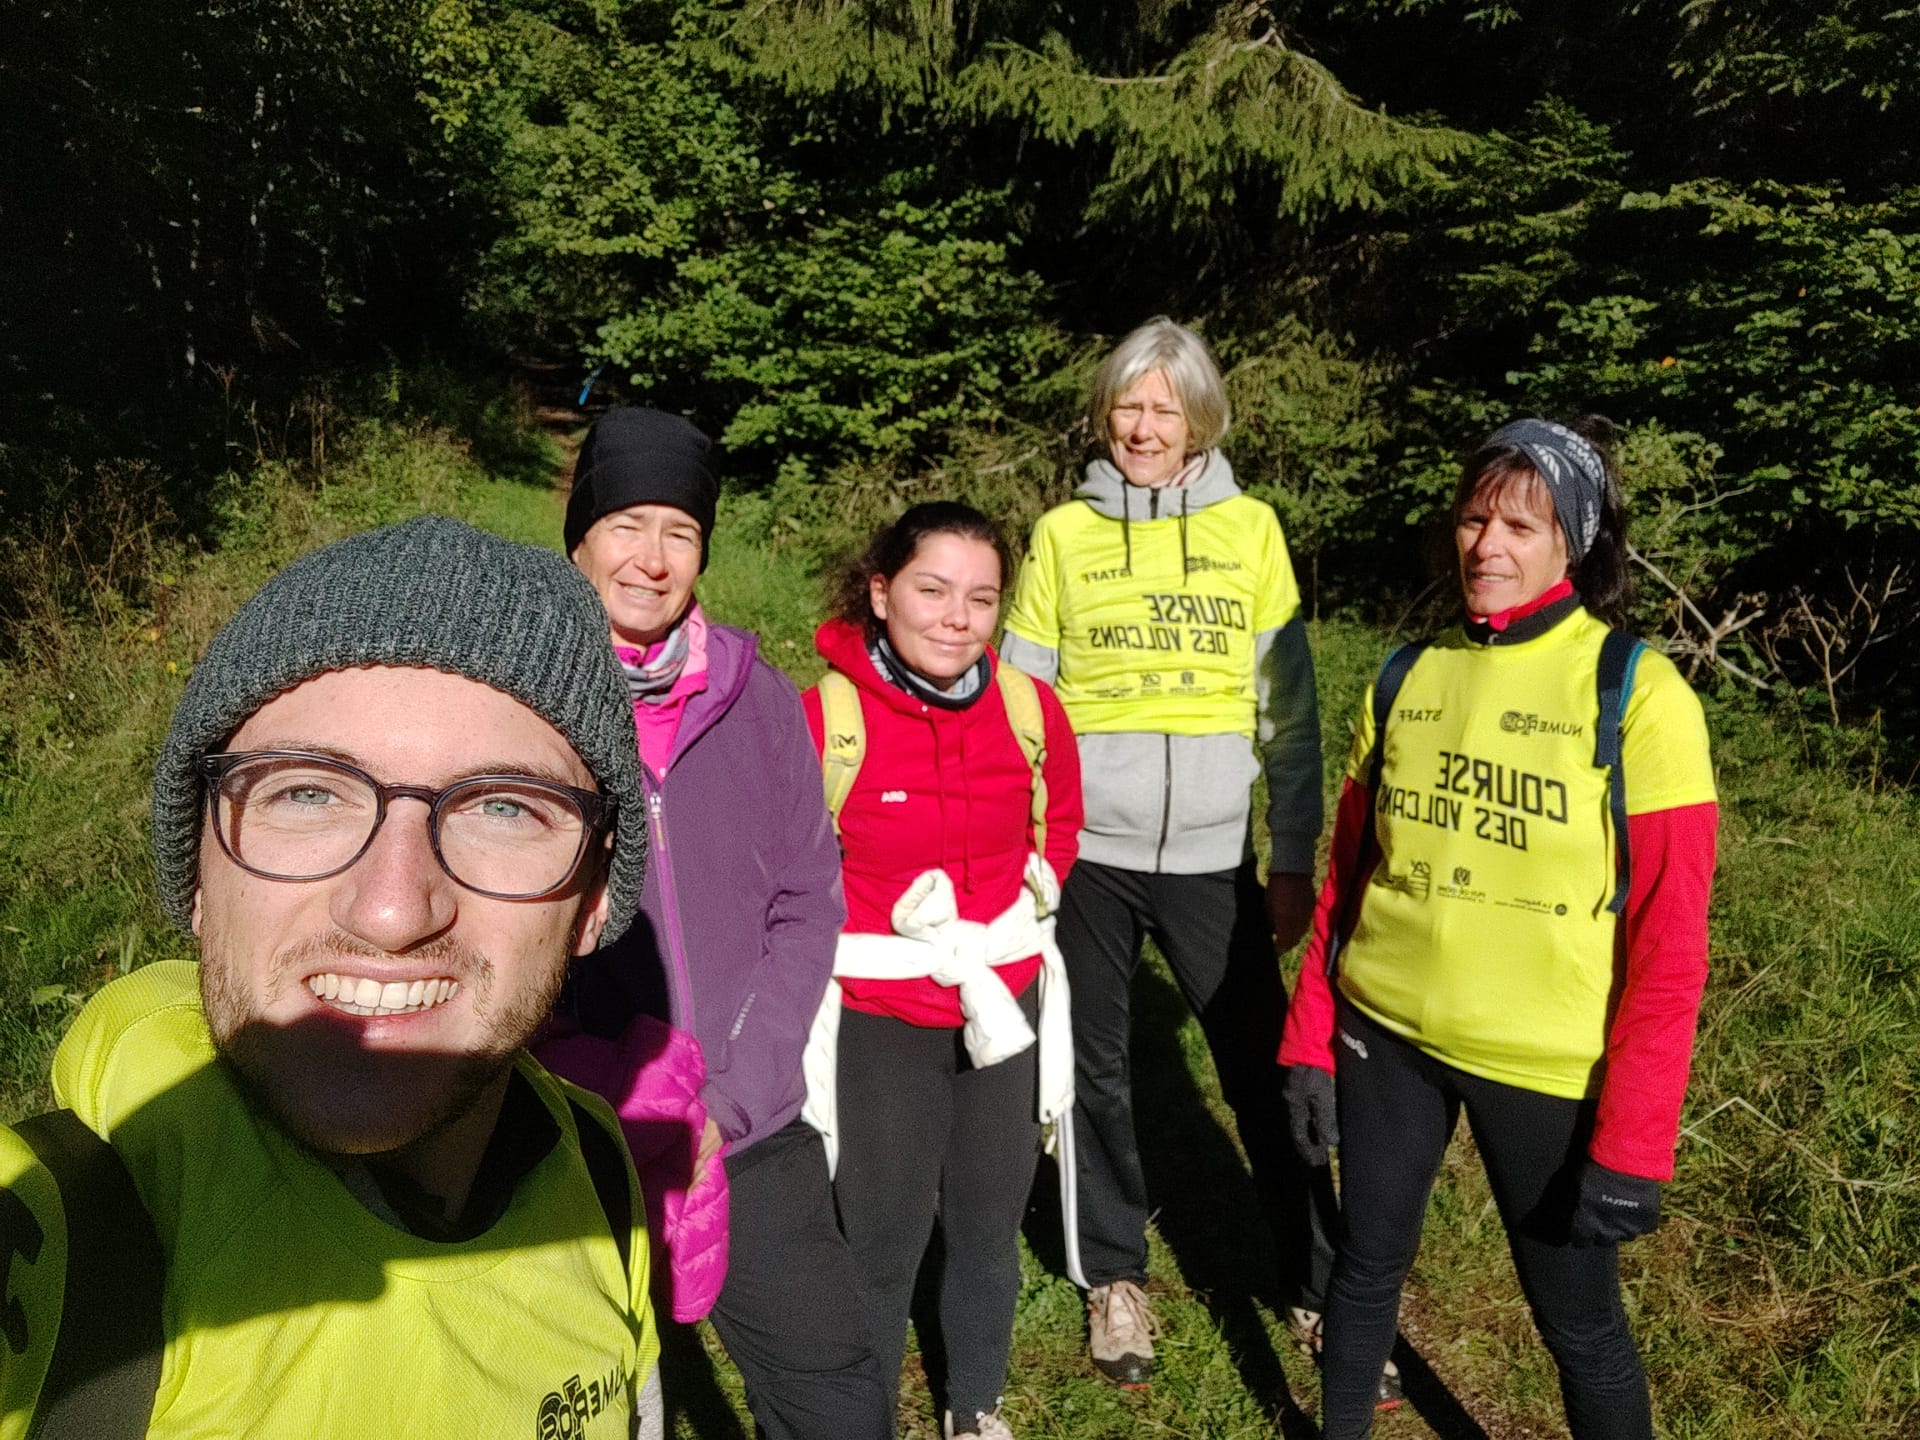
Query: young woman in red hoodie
[[945, 1042]]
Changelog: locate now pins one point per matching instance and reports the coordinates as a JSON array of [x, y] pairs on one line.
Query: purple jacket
[[742, 906]]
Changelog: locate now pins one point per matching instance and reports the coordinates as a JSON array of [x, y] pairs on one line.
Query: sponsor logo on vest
[[843, 742], [1532, 906], [1462, 875], [565, 1412], [1517, 722], [1199, 564], [893, 797], [1417, 882]]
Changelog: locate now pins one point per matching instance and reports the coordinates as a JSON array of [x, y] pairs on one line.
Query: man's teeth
[[364, 996]]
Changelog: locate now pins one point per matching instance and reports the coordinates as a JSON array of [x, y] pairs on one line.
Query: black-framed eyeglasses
[[289, 815]]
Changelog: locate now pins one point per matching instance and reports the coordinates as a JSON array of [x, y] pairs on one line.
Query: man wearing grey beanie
[[399, 793]]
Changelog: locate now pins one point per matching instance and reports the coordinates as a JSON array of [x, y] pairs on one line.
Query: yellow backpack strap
[[844, 730], [1029, 724], [81, 1338]]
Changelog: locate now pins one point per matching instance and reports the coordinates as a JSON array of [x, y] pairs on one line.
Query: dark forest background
[[878, 246]]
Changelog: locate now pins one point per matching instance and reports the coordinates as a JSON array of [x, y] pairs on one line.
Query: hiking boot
[[1305, 1327], [986, 1426], [1120, 1331]]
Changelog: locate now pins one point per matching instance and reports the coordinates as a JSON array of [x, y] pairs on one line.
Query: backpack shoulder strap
[[1029, 724], [1619, 658], [608, 1168], [104, 1369], [844, 730], [1386, 689]]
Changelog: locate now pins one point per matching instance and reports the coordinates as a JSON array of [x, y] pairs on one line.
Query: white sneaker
[[985, 1426], [1120, 1331]]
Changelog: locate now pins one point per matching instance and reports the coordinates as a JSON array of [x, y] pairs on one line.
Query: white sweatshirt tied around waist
[[931, 940]]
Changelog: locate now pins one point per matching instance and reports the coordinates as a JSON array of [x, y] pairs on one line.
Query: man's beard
[[389, 1100]]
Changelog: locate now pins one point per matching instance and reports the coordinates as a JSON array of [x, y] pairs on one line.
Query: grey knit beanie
[[432, 593]]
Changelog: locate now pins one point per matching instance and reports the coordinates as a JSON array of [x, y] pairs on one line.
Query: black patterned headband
[[1575, 474]]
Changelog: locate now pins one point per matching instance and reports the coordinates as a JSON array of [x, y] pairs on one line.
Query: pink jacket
[[652, 1076]]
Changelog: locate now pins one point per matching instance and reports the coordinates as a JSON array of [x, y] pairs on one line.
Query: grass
[[1781, 1299]]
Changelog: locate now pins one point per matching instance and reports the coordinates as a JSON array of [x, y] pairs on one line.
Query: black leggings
[[1214, 931], [1398, 1108], [926, 1135], [789, 1313]]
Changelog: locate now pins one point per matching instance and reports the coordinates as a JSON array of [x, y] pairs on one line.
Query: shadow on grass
[[1208, 1213], [1209, 1217], [696, 1402]]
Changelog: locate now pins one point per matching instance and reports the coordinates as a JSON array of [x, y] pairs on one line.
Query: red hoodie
[[948, 789]]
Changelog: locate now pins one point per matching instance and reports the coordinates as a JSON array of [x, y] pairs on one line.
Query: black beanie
[[636, 456]]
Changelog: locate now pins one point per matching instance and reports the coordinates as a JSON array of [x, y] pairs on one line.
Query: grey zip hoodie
[[1182, 804]]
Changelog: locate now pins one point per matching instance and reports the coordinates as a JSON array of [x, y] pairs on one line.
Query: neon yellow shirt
[[1153, 637], [292, 1310], [1484, 937]]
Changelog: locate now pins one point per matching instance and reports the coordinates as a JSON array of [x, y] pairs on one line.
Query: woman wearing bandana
[[1514, 929]]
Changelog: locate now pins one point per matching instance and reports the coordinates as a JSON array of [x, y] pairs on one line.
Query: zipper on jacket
[[1166, 802], [662, 860]]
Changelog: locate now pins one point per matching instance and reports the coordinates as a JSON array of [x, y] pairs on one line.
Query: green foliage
[[607, 158], [1307, 427], [833, 232], [1757, 56], [1237, 109], [855, 336], [1793, 341], [1173, 113]]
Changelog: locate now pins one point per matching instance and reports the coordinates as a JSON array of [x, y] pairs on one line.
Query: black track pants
[[1398, 1108], [1213, 929], [789, 1313], [924, 1133]]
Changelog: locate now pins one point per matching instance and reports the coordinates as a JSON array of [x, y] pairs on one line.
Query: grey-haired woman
[[1161, 605]]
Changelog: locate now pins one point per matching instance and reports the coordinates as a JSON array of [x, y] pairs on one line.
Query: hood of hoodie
[[843, 645], [1108, 492]]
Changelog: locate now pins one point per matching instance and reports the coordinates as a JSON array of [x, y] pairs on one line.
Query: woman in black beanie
[[737, 926]]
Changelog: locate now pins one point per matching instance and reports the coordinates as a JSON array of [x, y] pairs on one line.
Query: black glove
[[1310, 1112], [1613, 1207]]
